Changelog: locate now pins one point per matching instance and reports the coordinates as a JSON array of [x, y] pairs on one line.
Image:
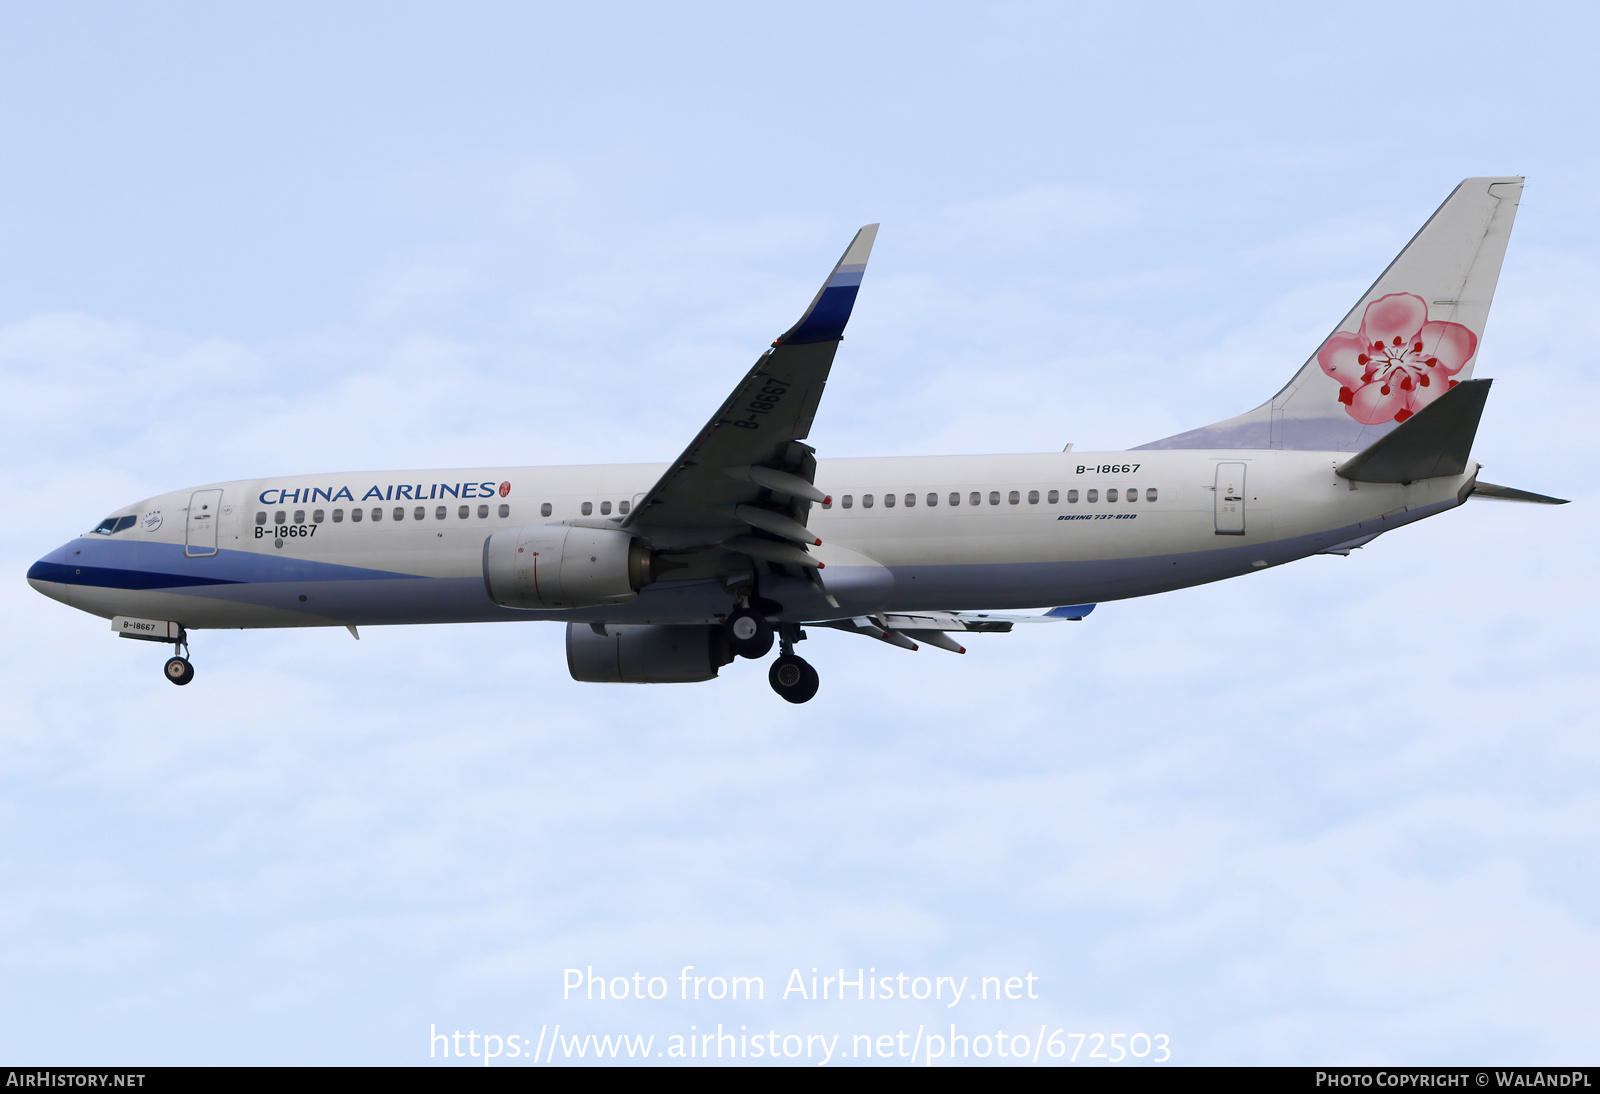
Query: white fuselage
[[1042, 531]]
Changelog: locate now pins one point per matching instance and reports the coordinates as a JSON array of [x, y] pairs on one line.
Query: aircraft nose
[[47, 575]]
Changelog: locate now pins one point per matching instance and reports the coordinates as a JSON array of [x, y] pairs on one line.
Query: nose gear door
[[200, 534], [1230, 499]]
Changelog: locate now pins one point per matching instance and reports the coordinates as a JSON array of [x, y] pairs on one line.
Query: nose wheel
[[177, 669]]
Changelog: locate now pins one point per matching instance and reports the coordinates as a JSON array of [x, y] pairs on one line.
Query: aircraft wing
[[907, 629], [748, 474]]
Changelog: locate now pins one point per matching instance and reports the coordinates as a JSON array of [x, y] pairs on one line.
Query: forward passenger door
[[200, 533]]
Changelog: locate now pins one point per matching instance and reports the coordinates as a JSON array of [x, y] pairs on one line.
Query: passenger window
[[827, 502], [955, 498], [544, 510], [483, 512], [866, 501], [441, 512], [1053, 497], [994, 497], [974, 498], [377, 514], [1111, 495], [624, 506], [1150, 494], [1133, 493], [587, 508], [911, 501], [464, 512], [1072, 497], [933, 499], [356, 515], [888, 501], [1033, 497], [338, 516], [278, 517], [318, 516], [1094, 495], [261, 518], [399, 512], [299, 516], [505, 511], [605, 509], [1014, 497], [847, 501], [419, 512]]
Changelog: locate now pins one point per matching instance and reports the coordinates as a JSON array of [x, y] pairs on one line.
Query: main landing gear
[[792, 677], [749, 634]]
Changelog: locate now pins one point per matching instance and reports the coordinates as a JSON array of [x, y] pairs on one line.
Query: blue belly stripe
[[118, 564], [106, 577]]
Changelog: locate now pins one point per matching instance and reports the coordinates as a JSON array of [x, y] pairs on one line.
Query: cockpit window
[[112, 525]]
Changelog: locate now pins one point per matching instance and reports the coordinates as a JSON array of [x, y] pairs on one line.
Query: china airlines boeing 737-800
[[664, 573]]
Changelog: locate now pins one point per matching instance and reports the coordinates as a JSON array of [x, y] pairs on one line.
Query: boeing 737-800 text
[[664, 573]]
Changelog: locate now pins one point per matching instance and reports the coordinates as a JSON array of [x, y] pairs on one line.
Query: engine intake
[[646, 654], [559, 566]]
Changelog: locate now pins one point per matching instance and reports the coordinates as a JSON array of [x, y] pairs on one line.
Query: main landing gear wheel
[[749, 633], [793, 678], [179, 671]]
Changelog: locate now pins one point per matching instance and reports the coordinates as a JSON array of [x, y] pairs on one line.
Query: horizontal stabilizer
[[1435, 441], [1506, 493]]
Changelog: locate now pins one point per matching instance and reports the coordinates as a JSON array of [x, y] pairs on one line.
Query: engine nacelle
[[641, 654], [558, 566]]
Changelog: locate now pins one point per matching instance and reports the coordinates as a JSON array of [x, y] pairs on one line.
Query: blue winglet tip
[[1077, 611], [825, 320]]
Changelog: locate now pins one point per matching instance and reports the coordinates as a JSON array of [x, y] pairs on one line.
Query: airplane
[[666, 573]]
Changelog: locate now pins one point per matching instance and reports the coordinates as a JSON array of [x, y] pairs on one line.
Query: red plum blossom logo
[[1398, 362]]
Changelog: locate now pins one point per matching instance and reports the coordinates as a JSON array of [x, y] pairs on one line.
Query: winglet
[[1073, 612], [830, 309], [1437, 440]]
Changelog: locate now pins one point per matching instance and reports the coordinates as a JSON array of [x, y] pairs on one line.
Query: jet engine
[[559, 566], [640, 654]]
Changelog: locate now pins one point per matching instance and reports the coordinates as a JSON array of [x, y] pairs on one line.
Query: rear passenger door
[[1230, 499]]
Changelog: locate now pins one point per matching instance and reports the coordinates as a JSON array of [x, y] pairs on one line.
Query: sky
[[1341, 811]]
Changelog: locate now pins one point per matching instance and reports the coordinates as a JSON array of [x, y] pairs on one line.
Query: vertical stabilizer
[[1413, 336]]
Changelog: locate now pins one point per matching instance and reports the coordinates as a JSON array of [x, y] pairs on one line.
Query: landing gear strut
[[792, 677]]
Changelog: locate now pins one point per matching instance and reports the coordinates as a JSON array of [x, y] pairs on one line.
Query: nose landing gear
[[177, 669]]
